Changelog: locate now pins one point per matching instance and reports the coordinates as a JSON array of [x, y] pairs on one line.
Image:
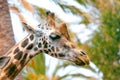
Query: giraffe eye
[[54, 37]]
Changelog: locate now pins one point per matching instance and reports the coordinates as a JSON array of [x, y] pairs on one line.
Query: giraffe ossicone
[[51, 38]]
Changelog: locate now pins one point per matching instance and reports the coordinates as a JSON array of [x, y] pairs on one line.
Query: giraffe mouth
[[81, 61], [78, 57]]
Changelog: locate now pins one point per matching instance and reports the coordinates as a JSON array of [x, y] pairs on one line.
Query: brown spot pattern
[[30, 46], [61, 55], [49, 50], [30, 56], [35, 49], [24, 43], [46, 51], [39, 45], [55, 55], [10, 69], [45, 45], [40, 51], [16, 50], [19, 55], [22, 62], [31, 37], [53, 49], [52, 54]]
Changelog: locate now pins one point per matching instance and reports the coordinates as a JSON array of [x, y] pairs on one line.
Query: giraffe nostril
[[82, 53]]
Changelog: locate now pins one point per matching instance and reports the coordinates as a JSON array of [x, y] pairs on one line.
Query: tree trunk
[[6, 32]]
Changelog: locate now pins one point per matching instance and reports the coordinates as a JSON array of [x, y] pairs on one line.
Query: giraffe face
[[59, 45], [53, 38]]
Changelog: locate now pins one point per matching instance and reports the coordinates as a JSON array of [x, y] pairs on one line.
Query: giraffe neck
[[19, 55]]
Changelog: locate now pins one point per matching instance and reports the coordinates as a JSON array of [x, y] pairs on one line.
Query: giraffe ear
[[63, 29], [28, 28], [3, 61]]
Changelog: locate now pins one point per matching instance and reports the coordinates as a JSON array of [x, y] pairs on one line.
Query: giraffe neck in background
[[19, 55]]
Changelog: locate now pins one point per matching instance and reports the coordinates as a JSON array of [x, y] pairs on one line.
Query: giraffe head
[[53, 38]]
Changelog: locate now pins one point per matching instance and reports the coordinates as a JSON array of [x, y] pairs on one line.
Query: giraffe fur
[[51, 38]]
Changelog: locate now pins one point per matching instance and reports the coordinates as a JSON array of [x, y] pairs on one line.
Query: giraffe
[[49, 37]]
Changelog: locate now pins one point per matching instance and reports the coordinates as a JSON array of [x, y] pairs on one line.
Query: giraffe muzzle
[[81, 59]]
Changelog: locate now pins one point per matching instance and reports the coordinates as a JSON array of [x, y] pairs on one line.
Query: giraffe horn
[[50, 18], [50, 14]]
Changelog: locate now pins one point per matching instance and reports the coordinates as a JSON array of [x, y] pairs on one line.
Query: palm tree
[[6, 33]]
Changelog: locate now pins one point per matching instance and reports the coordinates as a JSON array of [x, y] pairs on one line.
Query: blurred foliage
[[36, 68], [106, 41], [75, 11], [102, 47]]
